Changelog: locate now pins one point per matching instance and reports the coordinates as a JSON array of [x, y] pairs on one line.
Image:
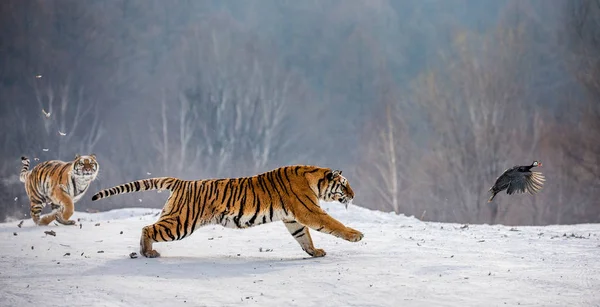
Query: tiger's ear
[[334, 174], [93, 156], [77, 156]]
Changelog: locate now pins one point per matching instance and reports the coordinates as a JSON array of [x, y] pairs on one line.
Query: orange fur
[[58, 183], [290, 194]]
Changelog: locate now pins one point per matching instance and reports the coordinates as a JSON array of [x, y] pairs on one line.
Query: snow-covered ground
[[400, 262]]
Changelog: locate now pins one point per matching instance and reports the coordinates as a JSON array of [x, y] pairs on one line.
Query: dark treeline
[[422, 104]]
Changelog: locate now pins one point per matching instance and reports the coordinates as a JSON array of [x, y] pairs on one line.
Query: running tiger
[[60, 184], [290, 194]]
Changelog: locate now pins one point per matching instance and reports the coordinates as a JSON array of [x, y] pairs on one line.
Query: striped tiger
[[290, 194], [60, 184]]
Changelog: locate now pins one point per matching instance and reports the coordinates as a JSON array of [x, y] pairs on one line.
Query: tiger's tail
[[25, 170], [162, 183]]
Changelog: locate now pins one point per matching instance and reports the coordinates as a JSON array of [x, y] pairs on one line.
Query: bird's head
[[536, 163]]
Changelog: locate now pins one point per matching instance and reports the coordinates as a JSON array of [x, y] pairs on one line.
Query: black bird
[[519, 179]]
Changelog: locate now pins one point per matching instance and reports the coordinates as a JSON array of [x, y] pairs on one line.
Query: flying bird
[[45, 149], [38, 76], [61, 133], [46, 113], [519, 179]]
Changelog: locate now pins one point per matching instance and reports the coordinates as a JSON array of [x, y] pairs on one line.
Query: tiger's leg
[[164, 230], [301, 234], [47, 219], [321, 221], [35, 210], [63, 214], [65, 208]]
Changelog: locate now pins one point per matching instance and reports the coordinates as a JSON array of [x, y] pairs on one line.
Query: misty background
[[421, 104]]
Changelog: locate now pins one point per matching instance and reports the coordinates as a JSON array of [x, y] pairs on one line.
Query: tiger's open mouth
[[345, 200]]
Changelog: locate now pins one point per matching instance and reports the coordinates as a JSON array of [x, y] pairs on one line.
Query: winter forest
[[421, 104]]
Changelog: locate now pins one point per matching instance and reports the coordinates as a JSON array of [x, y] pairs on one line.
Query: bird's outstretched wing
[[531, 183], [535, 182]]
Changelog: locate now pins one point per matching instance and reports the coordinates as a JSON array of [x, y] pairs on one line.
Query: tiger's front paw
[[353, 235], [317, 252]]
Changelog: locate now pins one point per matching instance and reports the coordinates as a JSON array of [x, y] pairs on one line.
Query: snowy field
[[400, 262]]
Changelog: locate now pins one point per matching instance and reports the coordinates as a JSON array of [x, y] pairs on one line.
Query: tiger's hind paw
[[151, 254], [67, 222]]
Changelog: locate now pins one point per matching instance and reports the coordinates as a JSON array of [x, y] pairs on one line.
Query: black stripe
[[75, 189], [298, 231], [237, 219], [216, 190], [168, 232], [253, 218], [158, 232], [227, 195], [319, 187], [274, 185], [187, 209], [192, 206], [263, 185], [203, 202], [280, 180], [177, 228], [285, 189]]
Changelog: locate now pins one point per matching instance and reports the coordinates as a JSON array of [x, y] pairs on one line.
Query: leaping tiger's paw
[[353, 235], [317, 252], [67, 222], [151, 254]]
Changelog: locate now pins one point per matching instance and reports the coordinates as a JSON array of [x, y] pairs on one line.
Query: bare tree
[[390, 179], [583, 56], [234, 107], [580, 147], [176, 151], [70, 123], [477, 110]]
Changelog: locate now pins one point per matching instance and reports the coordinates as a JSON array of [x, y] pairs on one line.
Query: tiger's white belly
[[245, 221]]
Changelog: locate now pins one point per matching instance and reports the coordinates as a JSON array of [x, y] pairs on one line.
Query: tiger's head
[[86, 166], [335, 187]]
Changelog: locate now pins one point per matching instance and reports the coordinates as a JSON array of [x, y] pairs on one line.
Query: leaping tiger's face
[[337, 188], [85, 166]]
